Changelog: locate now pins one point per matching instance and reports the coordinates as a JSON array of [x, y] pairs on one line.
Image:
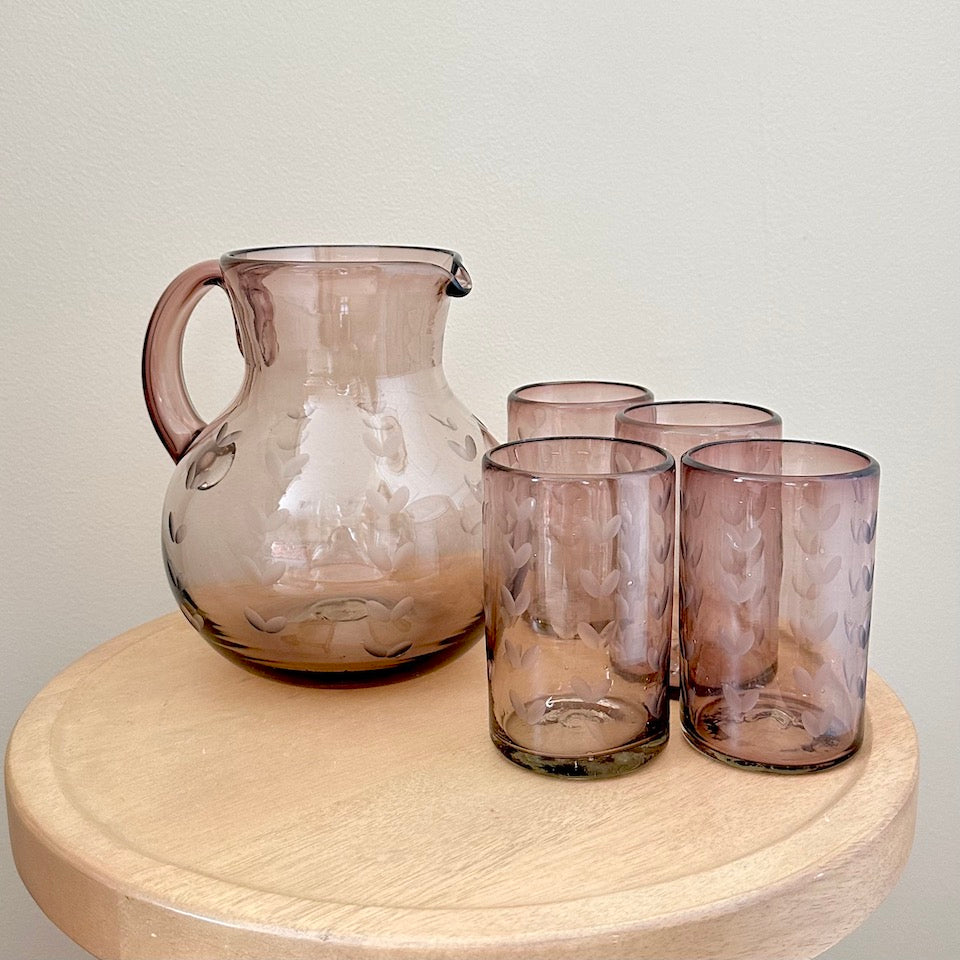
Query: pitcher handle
[[173, 414]]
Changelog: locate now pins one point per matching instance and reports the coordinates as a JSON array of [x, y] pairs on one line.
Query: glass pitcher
[[326, 526]]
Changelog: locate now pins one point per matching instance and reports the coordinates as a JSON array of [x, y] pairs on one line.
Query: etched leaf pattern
[[735, 640], [518, 658], [836, 689], [739, 702], [728, 586], [395, 560], [383, 437], [258, 622], [447, 422], [599, 532], [175, 531], [394, 648], [515, 606], [388, 504], [467, 450], [516, 559], [592, 689], [597, 639], [400, 611], [212, 462], [597, 588], [530, 712], [263, 571]]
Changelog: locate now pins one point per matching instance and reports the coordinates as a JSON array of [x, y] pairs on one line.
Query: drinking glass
[[566, 407], [678, 425], [777, 554], [578, 587]]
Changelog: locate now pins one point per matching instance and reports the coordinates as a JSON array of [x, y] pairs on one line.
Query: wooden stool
[[165, 804]]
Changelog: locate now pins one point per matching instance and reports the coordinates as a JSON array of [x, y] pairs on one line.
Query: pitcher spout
[[460, 283]]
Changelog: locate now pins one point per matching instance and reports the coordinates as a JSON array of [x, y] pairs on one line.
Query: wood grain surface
[[165, 804]]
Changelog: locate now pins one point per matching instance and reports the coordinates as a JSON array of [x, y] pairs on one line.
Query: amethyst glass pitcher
[[326, 526]]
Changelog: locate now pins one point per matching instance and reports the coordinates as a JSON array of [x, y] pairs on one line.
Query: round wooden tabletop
[[165, 804]]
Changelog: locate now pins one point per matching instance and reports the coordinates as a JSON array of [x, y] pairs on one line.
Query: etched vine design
[[398, 618], [740, 617], [833, 690], [467, 450], [213, 461], [383, 437]]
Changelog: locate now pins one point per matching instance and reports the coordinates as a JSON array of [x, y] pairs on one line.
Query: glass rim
[[354, 253], [771, 418], [870, 466], [666, 463], [515, 395]]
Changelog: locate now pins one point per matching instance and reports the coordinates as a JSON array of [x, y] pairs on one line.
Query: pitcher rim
[[250, 254], [449, 261]]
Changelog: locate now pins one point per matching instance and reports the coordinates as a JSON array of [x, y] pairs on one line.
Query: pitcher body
[[326, 526]]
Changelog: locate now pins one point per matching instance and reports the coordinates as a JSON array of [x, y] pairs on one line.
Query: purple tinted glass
[[578, 560], [678, 425], [776, 574], [569, 407]]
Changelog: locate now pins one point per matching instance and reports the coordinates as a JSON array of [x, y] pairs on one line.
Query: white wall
[[754, 201]]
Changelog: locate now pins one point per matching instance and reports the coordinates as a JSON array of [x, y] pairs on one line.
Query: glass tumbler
[[678, 425], [566, 407], [777, 552], [578, 588]]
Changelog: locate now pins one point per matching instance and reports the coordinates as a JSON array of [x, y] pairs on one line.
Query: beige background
[[747, 201]]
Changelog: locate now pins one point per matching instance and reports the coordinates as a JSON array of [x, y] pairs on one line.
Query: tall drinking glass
[[777, 555], [578, 586], [678, 425]]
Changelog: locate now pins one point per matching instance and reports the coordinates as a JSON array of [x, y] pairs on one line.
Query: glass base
[[769, 737], [387, 672], [608, 763]]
